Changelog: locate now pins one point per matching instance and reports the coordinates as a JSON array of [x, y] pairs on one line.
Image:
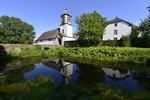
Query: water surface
[[70, 73]]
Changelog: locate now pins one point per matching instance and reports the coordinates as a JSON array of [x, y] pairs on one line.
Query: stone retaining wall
[[19, 47], [16, 47]]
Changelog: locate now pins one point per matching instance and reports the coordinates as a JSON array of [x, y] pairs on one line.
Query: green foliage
[[38, 47], [134, 39], [144, 29], [106, 53], [13, 30], [125, 41], [34, 89], [127, 54], [24, 86], [90, 28], [148, 8], [140, 36]]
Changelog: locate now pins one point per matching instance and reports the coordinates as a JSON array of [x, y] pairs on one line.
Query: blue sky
[[44, 15]]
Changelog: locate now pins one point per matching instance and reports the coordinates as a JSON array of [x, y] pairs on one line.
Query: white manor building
[[114, 31]]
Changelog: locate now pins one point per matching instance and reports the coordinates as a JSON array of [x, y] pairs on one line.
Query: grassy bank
[[127, 54], [138, 55]]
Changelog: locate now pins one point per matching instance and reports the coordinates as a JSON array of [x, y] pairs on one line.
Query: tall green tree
[[148, 8], [144, 29], [13, 30], [134, 37], [90, 28]]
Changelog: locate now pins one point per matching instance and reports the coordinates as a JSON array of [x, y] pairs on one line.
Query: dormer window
[[115, 24]]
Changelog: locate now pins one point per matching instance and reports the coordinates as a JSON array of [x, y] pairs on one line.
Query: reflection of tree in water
[[122, 71], [2, 51], [3, 58], [3, 66], [90, 74], [18, 74], [143, 79]]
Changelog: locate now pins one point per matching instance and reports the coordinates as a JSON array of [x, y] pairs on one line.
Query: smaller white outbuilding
[[116, 29]]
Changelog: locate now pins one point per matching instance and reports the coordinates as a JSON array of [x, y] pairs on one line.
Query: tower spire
[[66, 11], [66, 26]]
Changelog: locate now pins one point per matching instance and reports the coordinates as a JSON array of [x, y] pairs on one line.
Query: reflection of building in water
[[65, 68], [118, 74], [66, 71]]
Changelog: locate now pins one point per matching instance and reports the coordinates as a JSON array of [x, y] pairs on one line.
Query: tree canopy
[[134, 37], [148, 8], [13, 30], [144, 29], [90, 28], [140, 36]]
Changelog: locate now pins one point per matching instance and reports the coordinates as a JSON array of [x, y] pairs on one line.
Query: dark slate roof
[[49, 34], [116, 20], [119, 20]]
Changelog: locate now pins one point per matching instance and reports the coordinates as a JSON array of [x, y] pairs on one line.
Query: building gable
[[116, 20]]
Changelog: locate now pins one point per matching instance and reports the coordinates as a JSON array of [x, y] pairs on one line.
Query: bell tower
[[66, 26]]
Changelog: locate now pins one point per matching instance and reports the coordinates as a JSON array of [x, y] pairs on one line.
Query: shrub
[[38, 47], [125, 41]]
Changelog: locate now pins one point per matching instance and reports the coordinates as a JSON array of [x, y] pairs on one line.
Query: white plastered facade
[[123, 29]]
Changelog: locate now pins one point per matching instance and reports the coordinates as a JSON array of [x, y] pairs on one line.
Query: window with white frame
[[115, 32]]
